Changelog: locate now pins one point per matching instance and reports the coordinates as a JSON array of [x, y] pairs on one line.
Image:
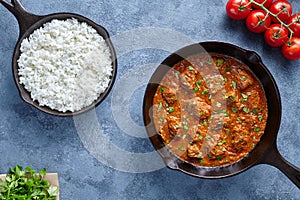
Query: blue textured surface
[[29, 137]]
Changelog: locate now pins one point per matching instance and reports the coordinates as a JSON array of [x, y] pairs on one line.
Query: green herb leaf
[[239, 120], [170, 109], [245, 96], [233, 83], [160, 105], [218, 104], [219, 62], [219, 158], [210, 61], [226, 113], [246, 110], [191, 68], [27, 184], [196, 89], [176, 74], [185, 127], [255, 110], [43, 172], [181, 148], [205, 91], [200, 155], [256, 129], [234, 110]]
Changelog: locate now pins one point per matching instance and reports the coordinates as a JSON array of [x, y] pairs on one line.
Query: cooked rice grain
[[65, 65]]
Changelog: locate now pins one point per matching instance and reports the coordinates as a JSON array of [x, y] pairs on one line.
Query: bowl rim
[[25, 95]]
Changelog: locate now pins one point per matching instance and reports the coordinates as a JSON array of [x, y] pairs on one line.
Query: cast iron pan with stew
[[265, 152], [29, 22]]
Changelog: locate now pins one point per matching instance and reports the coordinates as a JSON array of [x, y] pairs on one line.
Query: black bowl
[[265, 151], [28, 23]]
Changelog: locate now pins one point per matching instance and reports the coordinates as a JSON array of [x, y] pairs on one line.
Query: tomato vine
[[274, 19]]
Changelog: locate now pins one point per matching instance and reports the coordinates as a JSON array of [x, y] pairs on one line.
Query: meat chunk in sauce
[[215, 119], [188, 77], [196, 107], [169, 96], [173, 125], [193, 151], [242, 78]]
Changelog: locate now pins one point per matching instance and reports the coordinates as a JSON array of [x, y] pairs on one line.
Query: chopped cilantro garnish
[[160, 105], [185, 127], [191, 68], [170, 109], [198, 83], [220, 62], [176, 73], [181, 148], [205, 91], [209, 61], [246, 110], [233, 83], [219, 158], [234, 109], [256, 129], [245, 96], [255, 110]]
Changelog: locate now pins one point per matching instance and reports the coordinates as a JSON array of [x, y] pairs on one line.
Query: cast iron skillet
[[29, 22], [266, 150]]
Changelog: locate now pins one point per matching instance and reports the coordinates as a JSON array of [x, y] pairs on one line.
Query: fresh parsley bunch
[[26, 185]]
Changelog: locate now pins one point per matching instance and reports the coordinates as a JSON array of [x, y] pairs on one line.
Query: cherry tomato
[[276, 35], [267, 3], [294, 23], [238, 9], [283, 9], [258, 21], [291, 50]]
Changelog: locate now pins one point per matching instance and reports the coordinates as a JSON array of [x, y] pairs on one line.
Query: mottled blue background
[[29, 137]]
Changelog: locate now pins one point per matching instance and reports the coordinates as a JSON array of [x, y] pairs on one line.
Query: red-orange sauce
[[210, 110]]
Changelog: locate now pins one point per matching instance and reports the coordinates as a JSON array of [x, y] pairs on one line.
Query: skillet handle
[[274, 158], [25, 18]]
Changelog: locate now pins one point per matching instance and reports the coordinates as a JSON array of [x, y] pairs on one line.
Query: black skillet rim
[[254, 62]]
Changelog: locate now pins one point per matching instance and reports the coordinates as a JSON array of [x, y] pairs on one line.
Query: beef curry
[[210, 110]]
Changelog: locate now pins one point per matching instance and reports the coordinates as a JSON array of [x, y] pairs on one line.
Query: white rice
[[65, 65]]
